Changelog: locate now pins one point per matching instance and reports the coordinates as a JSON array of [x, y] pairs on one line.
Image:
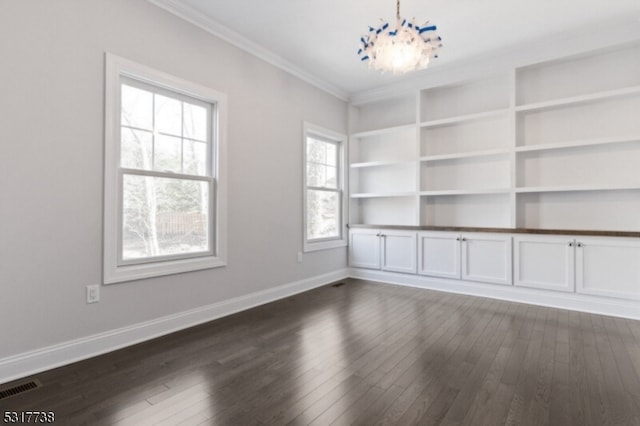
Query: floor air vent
[[18, 389], [337, 284]]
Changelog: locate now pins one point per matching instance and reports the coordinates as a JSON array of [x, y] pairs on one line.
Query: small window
[[324, 203], [164, 207]]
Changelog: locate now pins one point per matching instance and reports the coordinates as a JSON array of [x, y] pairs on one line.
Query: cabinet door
[[487, 258], [608, 267], [439, 254], [544, 262], [399, 251], [364, 248]]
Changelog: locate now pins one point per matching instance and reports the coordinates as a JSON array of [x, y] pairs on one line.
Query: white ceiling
[[318, 40]]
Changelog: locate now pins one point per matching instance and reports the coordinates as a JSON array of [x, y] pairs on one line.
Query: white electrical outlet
[[93, 293]]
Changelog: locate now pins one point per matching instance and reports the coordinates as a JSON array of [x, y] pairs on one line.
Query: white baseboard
[[33, 362], [571, 301]]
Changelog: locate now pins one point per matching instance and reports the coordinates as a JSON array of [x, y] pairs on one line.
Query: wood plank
[[363, 353]]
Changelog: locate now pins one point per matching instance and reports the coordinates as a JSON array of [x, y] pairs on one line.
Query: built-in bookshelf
[[548, 145]]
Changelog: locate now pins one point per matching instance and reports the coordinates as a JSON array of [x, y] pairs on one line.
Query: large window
[[164, 206], [323, 188]]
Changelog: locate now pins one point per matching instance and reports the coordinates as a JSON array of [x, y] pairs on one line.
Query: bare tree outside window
[[163, 155], [323, 196]]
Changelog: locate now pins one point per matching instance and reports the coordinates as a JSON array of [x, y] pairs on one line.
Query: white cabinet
[[486, 258], [389, 250], [471, 256], [364, 248], [439, 254], [599, 266], [398, 251], [608, 267], [545, 262]]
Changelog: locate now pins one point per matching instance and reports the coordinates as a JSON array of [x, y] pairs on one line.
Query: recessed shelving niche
[[602, 210], [586, 74], [466, 137], [390, 145], [465, 101], [480, 172], [384, 114], [475, 210], [597, 166], [398, 210], [604, 118]]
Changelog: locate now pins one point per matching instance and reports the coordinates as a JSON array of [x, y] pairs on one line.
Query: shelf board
[[480, 191], [575, 188], [361, 195], [575, 100], [381, 163], [464, 118], [579, 143], [383, 131], [470, 154]]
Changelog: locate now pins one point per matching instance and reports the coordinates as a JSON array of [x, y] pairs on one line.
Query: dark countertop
[[592, 233]]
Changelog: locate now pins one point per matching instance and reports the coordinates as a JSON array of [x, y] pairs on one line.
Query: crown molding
[[213, 27]]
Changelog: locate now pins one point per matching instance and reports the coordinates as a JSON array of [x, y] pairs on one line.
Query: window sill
[[324, 245], [118, 274]]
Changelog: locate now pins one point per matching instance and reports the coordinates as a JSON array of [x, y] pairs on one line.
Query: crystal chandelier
[[407, 47]]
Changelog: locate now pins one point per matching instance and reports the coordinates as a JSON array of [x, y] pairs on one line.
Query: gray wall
[[51, 167]]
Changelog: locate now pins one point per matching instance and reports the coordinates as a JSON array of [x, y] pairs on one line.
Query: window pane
[[316, 175], [164, 216], [168, 115], [168, 154], [323, 214], [322, 164], [331, 154], [137, 107], [136, 149], [195, 158], [195, 122], [331, 177], [316, 152]]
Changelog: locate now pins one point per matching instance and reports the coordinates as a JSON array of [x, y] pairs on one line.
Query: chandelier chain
[[398, 9]]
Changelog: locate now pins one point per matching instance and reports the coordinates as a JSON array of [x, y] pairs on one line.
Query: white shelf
[[464, 118], [472, 154], [382, 194], [574, 100], [544, 145], [576, 188], [465, 192], [579, 143], [381, 164], [383, 131]]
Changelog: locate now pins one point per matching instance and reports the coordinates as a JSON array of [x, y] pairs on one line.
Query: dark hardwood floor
[[363, 353]]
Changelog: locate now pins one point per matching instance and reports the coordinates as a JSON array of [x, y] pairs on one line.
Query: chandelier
[[407, 47]]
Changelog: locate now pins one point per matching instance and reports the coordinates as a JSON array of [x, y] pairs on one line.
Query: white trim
[[341, 141], [553, 299], [33, 362], [213, 27], [115, 68]]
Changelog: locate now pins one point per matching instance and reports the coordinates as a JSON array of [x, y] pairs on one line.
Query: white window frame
[[340, 140], [114, 269]]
